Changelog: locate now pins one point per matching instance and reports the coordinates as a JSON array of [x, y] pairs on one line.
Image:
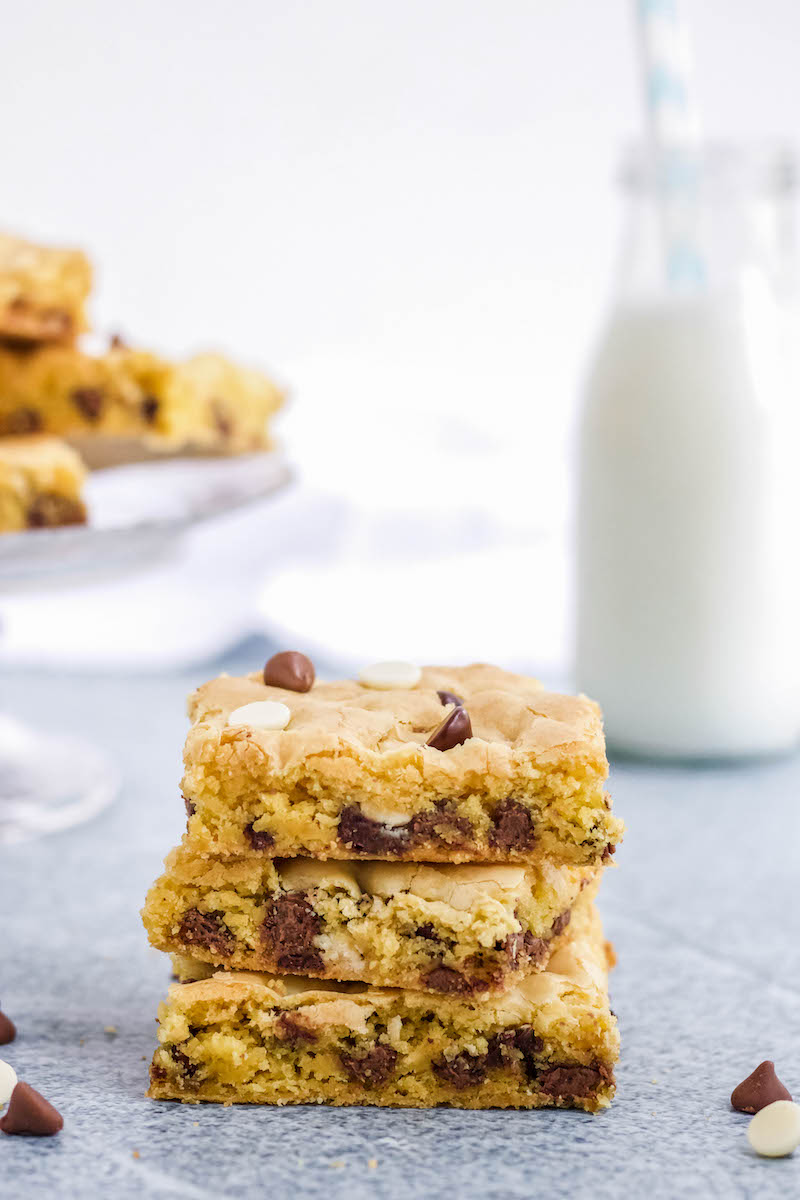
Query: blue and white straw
[[674, 134]]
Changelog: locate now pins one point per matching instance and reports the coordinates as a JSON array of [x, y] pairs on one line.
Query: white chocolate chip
[[775, 1131], [261, 714], [8, 1081], [386, 676]]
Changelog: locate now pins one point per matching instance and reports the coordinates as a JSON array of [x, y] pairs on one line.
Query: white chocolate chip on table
[[775, 1131], [261, 714], [386, 676], [8, 1081]]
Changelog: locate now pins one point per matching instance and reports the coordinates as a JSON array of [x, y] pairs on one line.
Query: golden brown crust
[[40, 484], [353, 754], [43, 291]]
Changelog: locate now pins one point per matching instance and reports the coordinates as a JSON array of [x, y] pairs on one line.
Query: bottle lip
[[720, 168]]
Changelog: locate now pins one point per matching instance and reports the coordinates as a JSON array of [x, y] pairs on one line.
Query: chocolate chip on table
[[513, 826], [289, 929], [450, 698], [259, 839], [454, 730], [8, 1030], [373, 1068], [89, 402], [463, 1071], [290, 670], [208, 931], [760, 1088], [30, 1113]]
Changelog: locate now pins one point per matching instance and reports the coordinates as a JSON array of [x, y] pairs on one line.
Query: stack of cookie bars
[[115, 406], [385, 894]]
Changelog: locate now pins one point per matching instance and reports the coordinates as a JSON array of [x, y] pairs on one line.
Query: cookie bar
[[43, 292], [351, 775], [205, 404], [40, 484], [255, 1039], [447, 928]]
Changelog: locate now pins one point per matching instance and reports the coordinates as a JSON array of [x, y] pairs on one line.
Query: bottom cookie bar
[[254, 1039], [40, 484]]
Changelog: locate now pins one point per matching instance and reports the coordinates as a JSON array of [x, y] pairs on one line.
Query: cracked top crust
[[516, 725]]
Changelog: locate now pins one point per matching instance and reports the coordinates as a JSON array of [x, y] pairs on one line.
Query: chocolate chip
[[8, 1030], [22, 420], [569, 1082], [447, 980], [450, 698], [365, 836], [207, 930], [289, 929], [441, 825], [513, 826], [427, 931], [190, 807], [118, 342], [536, 949], [221, 418], [759, 1089], [561, 922], [30, 1113], [521, 1039], [50, 509], [187, 1067], [608, 851], [372, 1068], [290, 670], [157, 1073], [259, 839], [463, 1071], [454, 730], [149, 409], [89, 402], [292, 1029]]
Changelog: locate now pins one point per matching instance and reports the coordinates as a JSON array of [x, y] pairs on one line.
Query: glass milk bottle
[[688, 511]]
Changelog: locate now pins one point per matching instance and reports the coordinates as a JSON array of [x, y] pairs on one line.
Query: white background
[[406, 211]]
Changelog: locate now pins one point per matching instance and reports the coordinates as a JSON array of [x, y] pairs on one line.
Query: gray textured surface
[[702, 911]]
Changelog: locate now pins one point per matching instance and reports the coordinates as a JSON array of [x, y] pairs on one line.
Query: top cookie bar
[[42, 291], [351, 774]]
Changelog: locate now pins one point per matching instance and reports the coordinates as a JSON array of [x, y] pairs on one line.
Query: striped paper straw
[[674, 134]]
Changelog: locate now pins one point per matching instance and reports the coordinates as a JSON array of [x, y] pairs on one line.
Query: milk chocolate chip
[[454, 730], [89, 402], [371, 1069], [759, 1089], [7, 1030], [450, 698], [30, 1113], [289, 930], [290, 670]]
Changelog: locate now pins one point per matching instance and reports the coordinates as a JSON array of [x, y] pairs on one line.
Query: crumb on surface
[[135, 1153], [372, 1164], [111, 1030]]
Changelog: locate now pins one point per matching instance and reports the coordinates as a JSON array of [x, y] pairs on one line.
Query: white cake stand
[[50, 782]]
